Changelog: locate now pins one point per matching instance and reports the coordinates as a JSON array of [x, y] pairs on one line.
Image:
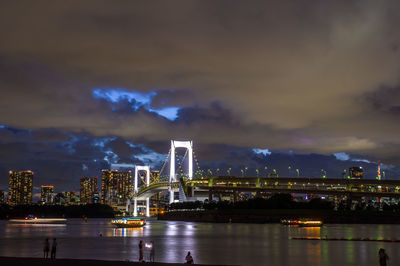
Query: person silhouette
[[189, 258], [54, 249], [383, 257], [152, 251], [140, 251], [46, 248]]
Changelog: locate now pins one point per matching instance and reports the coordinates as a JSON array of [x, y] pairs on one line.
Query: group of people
[[383, 257], [150, 246], [46, 249]]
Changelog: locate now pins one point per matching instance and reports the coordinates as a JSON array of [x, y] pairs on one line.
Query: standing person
[[152, 252], [189, 258], [46, 248], [53, 249], [383, 257], [140, 251]]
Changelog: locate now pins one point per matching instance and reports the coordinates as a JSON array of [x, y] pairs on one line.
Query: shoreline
[[17, 261], [275, 216]]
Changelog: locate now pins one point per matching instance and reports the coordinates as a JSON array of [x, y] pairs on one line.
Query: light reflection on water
[[239, 244]]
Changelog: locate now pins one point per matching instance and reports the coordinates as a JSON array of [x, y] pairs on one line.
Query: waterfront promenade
[[12, 261]]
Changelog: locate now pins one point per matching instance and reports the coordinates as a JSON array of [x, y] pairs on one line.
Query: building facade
[[2, 196], [20, 187], [116, 187], [88, 189], [47, 194]]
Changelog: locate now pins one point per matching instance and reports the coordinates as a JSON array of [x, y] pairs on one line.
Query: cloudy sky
[[87, 84]]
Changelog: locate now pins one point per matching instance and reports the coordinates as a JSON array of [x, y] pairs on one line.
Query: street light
[[323, 173], [289, 168], [274, 171], [229, 171], [298, 172], [266, 171], [344, 173], [245, 170], [242, 171], [257, 171], [209, 172]]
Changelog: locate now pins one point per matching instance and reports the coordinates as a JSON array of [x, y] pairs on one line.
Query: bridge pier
[[147, 207], [135, 207], [171, 196]]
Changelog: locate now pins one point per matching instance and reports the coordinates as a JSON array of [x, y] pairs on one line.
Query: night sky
[[86, 85]]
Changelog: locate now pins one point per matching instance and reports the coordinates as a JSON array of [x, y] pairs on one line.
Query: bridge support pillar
[[135, 207], [171, 196], [128, 205], [147, 207]]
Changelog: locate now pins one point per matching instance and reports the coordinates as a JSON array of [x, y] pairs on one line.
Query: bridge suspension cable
[[197, 164], [164, 165]]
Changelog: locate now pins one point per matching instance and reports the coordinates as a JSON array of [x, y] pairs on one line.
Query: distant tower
[[378, 173], [20, 187]]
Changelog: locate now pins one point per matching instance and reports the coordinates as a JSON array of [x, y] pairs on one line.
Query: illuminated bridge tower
[[135, 189], [172, 174]]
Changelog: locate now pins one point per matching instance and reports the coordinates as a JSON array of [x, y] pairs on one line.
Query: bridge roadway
[[302, 185], [146, 192]]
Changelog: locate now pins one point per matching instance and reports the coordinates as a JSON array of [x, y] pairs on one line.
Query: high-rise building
[[2, 196], [20, 187], [116, 186], [70, 198], [47, 194], [88, 189]]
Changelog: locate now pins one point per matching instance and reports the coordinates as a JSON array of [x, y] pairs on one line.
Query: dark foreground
[[10, 261]]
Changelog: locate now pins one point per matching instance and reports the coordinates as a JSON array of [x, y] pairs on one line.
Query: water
[[237, 244]]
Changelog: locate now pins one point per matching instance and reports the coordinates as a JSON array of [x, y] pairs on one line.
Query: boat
[[289, 221], [302, 222], [31, 219], [309, 223], [129, 222]]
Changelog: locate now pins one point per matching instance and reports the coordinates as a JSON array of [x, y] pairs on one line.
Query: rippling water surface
[[238, 244]]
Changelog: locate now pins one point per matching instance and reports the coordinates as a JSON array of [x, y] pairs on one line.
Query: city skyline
[[275, 84]]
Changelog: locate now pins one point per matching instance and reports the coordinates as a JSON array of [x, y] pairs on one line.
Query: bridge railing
[[319, 184], [142, 189]]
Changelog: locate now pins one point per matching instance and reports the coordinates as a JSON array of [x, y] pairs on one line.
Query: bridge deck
[[323, 186]]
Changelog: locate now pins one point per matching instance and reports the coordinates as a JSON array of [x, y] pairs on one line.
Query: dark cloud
[[385, 100], [311, 77], [179, 97]]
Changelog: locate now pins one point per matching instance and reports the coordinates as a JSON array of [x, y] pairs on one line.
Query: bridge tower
[[172, 174], [135, 189]]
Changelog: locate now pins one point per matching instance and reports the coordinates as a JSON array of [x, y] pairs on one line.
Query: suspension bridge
[[182, 177]]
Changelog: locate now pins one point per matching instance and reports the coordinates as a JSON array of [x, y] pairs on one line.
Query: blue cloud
[[137, 100], [361, 160], [342, 156], [265, 152], [171, 113], [117, 95]]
